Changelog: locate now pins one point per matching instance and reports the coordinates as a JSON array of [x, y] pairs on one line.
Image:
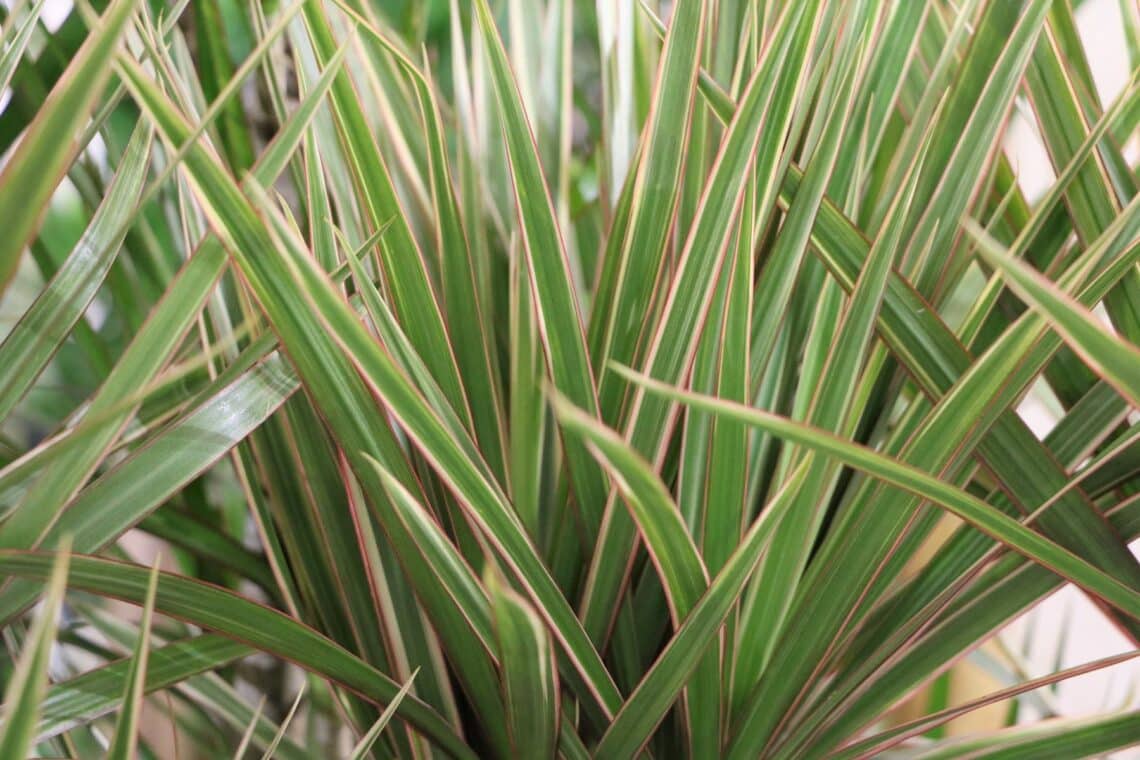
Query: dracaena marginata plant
[[535, 378]]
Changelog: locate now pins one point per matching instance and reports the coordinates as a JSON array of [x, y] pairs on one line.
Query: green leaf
[[470, 597], [413, 299], [24, 695], [647, 705], [100, 690], [124, 742], [32, 172], [181, 665], [364, 746], [469, 337], [1091, 737], [481, 499], [751, 153], [149, 351], [169, 460], [29, 347], [529, 673], [934, 358], [625, 293], [15, 38], [557, 305], [833, 402], [278, 283], [242, 620], [896, 735], [674, 554], [357, 361], [682, 571], [900, 475], [1117, 361], [474, 644]]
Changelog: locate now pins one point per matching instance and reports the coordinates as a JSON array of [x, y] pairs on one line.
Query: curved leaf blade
[[242, 620]]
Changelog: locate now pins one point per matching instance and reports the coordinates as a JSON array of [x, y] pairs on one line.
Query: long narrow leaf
[[31, 174]]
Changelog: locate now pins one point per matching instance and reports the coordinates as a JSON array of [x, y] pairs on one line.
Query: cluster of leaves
[[556, 378]]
